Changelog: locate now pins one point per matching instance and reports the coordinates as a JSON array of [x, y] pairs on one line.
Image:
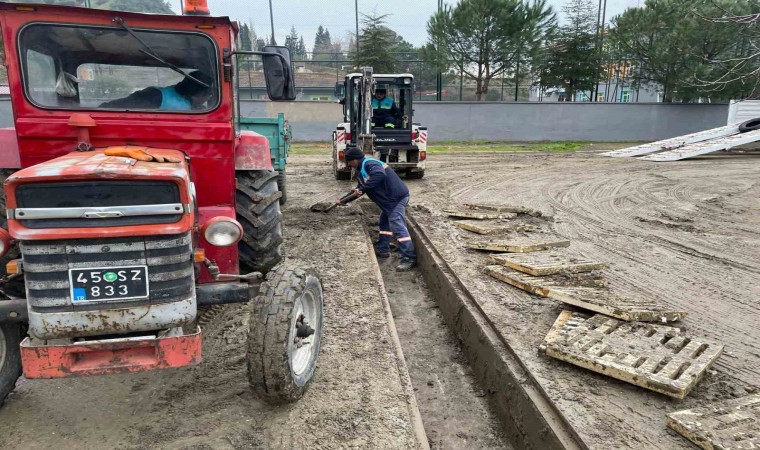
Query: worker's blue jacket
[[380, 183], [384, 110]]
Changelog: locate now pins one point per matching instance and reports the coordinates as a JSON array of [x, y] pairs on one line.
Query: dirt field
[[684, 233], [357, 399]]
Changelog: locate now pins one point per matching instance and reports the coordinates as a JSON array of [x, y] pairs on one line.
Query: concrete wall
[[473, 121]]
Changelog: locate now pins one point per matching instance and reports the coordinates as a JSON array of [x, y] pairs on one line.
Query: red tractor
[[131, 199]]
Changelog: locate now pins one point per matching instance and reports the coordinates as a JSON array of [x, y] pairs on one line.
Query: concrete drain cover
[[546, 263], [593, 295], [655, 357], [479, 227], [479, 215], [499, 208], [731, 424], [520, 244]]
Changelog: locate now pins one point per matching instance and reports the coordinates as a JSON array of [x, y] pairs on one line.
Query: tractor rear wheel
[[258, 210], [15, 286], [285, 334], [10, 358]]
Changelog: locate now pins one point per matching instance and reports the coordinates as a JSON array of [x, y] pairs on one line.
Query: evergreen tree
[[291, 41], [376, 42], [571, 59], [323, 46], [244, 38], [485, 39], [301, 49]]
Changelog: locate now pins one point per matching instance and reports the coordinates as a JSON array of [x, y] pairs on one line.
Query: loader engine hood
[[90, 194]]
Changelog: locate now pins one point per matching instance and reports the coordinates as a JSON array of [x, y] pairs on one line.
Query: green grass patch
[[319, 148]]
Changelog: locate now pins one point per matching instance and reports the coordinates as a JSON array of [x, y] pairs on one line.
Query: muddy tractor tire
[[285, 335], [258, 210], [282, 185], [10, 358], [15, 286], [415, 175]]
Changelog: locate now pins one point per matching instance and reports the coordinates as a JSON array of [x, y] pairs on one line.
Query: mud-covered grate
[[478, 215], [597, 298], [519, 244], [655, 357], [731, 424], [491, 227], [546, 263]]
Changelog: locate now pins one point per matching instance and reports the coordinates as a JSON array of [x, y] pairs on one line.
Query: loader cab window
[[106, 68], [391, 103]]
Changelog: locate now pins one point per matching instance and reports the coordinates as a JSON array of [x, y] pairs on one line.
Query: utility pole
[[595, 89], [271, 21], [439, 76], [356, 11]]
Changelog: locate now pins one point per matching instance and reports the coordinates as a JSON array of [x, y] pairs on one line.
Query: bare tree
[[744, 68]]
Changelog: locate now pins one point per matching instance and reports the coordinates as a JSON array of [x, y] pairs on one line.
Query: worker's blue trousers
[[393, 223]]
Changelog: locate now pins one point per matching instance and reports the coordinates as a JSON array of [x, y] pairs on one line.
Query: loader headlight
[[222, 231]]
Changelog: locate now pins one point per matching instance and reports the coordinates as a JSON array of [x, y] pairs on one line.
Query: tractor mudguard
[[252, 152]]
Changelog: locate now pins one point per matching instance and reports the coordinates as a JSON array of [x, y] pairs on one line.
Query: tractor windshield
[[103, 68]]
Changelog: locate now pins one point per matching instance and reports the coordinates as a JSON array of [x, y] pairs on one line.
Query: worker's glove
[[140, 154]]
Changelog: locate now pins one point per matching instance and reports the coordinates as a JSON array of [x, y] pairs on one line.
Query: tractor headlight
[[222, 231], [5, 242]]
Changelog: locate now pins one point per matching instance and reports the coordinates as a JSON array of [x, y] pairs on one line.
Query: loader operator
[[385, 188], [385, 113], [183, 96]]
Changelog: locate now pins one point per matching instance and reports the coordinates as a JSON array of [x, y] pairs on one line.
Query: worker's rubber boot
[[406, 264], [382, 254]]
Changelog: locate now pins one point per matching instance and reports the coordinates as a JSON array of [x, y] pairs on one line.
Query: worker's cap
[[354, 153], [381, 91]]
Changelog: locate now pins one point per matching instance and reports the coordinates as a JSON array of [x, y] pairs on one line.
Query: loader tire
[[415, 175], [258, 211], [280, 364], [15, 286], [282, 185], [10, 358], [750, 125]]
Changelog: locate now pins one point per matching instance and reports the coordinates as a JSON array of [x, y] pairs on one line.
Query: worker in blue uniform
[[186, 95], [384, 187], [385, 113]]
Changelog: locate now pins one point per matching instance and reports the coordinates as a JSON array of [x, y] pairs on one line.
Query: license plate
[[108, 283]]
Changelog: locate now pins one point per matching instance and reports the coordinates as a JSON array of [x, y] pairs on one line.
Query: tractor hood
[[96, 164], [91, 194]]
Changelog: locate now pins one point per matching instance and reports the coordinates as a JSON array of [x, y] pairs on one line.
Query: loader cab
[[389, 128]]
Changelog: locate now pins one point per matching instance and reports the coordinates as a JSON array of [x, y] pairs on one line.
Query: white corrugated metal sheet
[[743, 110]]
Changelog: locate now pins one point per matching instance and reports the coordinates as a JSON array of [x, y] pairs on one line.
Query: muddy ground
[[684, 233], [357, 399]]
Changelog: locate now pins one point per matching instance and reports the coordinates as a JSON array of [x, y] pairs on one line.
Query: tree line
[[689, 49]]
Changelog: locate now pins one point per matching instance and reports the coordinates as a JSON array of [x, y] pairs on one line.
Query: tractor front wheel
[[285, 334], [10, 358], [258, 210]]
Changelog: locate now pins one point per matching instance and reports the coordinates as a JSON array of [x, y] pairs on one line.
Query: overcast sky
[[407, 17]]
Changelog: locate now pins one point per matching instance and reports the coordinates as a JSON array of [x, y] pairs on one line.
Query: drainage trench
[[456, 411]]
